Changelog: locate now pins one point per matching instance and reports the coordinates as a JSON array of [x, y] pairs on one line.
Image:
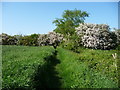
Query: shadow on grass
[[46, 76]]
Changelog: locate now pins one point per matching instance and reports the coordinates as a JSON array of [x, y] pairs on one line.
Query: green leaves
[[76, 16], [70, 19], [29, 40]]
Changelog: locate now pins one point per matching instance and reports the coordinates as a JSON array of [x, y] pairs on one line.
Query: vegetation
[[89, 69], [52, 38], [117, 32], [70, 19], [71, 65], [30, 40], [97, 36], [20, 63], [7, 39], [71, 32], [42, 67]]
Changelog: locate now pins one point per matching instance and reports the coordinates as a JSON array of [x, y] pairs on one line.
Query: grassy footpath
[[30, 68], [89, 69], [20, 65]]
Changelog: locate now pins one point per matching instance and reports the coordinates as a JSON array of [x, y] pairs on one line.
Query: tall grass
[[19, 64], [87, 69], [31, 68]]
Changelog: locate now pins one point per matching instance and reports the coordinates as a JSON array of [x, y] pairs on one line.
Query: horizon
[[36, 17]]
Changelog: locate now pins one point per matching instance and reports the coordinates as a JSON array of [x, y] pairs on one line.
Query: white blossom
[[96, 36], [52, 38]]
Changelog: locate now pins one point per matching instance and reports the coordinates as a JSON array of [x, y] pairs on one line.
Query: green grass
[[29, 68], [89, 69], [19, 64], [101, 61]]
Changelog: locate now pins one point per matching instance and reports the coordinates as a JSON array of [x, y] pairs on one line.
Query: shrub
[[51, 38], [72, 43], [7, 39], [43, 40], [117, 32], [96, 36], [18, 37], [118, 47], [68, 45], [34, 38], [30, 40]]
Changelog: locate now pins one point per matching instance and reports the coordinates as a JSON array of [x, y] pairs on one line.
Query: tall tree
[[70, 19]]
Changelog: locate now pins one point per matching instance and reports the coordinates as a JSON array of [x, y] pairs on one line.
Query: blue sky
[[36, 17]]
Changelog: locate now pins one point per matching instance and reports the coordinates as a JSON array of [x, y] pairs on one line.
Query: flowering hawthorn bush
[[96, 36], [52, 38]]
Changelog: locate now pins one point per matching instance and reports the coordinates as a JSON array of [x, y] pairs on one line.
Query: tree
[[70, 19]]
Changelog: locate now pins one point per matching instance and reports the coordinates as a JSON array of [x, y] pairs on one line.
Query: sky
[[36, 17]]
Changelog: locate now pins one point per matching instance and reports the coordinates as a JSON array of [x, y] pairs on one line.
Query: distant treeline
[[71, 32], [95, 36]]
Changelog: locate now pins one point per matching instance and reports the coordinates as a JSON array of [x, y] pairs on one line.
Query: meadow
[[19, 64], [88, 69], [31, 68], [73, 54]]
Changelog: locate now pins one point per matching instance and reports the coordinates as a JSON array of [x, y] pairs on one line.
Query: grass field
[[19, 64], [30, 68], [89, 69]]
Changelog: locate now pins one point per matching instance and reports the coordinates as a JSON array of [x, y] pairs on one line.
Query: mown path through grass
[[32, 68], [47, 76], [29, 68], [78, 71]]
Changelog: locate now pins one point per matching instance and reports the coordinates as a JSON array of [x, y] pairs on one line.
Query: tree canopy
[[70, 19]]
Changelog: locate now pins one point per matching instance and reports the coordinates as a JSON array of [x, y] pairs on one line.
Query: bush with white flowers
[[96, 36], [7, 39], [52, 38]]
